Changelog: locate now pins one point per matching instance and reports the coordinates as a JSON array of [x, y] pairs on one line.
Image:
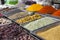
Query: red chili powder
[[47, 9], [57, 13]]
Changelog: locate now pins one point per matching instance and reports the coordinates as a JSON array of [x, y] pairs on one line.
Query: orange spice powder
[[47, 9], [57, 13]]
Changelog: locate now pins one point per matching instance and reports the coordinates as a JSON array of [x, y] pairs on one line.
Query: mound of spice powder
[[34, 7], [57, 13], [47, 9]]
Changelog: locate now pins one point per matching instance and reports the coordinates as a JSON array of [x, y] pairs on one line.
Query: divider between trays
[[39, 38]]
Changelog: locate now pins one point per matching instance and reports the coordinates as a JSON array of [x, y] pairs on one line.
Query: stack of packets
[[10, 30], [44, 10]]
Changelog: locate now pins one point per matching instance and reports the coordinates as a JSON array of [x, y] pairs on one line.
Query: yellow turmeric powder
[[34, 7]]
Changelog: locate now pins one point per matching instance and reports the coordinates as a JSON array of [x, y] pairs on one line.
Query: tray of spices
[[15, 32], [17, 15], [6, 9], [9, 11], [50, 32]]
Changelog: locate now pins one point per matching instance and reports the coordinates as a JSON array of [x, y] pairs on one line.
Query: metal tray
[[45, 28], [11, 12], [42, 16]]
